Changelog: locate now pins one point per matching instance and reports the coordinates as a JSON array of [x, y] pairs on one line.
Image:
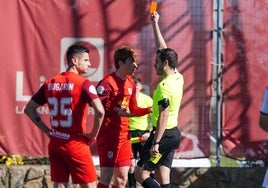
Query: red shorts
[[113, 153], [75, 161]]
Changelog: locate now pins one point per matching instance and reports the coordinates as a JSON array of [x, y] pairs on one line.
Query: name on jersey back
[[61, 86]]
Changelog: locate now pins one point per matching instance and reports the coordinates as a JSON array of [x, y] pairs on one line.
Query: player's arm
[[134, 110], [263, 116], [89, 95], [158, 37], [30, 111], [99, 115]]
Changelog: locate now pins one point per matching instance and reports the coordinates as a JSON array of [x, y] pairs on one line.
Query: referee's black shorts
[[168, 143]]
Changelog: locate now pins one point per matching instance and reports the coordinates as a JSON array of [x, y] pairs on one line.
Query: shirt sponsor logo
[[58, 134]]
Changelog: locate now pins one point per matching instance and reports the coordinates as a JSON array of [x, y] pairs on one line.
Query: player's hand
[[123, 112], [145, 136], [90, 138]]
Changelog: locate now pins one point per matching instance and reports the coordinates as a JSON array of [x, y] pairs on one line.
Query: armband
[[164, 103], [264, 106], [135, 140]]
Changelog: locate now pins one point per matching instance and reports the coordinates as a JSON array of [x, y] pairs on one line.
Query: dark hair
[[170, 55], [124, 53], [75, 50]]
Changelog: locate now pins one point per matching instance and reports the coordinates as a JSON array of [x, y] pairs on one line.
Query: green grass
[[225, 162]]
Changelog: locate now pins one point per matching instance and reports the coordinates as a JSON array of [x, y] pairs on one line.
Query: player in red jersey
[[118, 94], [68, 96]]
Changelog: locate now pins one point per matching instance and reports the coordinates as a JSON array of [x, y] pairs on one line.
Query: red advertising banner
[[35, 35], [245, 78]]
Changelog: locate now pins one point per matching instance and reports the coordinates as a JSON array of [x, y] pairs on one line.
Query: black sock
[[131, 180], [150, 183], [165, 186]]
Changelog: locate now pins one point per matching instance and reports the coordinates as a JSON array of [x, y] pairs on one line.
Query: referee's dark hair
[[170, 55]]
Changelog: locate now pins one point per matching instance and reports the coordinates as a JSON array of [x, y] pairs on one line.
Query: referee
[[165, 137]]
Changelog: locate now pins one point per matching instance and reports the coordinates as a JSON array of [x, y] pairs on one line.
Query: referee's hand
[[154, 150]]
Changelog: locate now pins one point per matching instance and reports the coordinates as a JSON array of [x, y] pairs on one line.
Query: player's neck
[[72, 69], [120, 75], [170, 71]]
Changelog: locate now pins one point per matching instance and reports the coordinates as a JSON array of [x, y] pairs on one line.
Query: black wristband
[[154, 142]]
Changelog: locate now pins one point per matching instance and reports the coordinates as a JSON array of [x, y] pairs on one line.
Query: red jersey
[[113, 139], [115, 94], [68, 96]]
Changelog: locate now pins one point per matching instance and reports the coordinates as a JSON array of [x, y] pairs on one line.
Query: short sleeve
[[89, 92], [39, 97]]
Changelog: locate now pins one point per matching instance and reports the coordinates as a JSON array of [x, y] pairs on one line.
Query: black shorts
[[168, 143], [137, 147]]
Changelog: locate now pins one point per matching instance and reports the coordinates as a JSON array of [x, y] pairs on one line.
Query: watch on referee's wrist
[[154, 142]]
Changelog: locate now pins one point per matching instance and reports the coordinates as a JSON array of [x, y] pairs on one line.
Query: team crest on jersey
[[100, 89], [92, 89], [130, 91], [110, 154]]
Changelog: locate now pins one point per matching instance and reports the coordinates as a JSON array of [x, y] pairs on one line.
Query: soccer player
[[165, 137], [139, 130], [263, 123], [68, 96], [263, 117], [117, 91]]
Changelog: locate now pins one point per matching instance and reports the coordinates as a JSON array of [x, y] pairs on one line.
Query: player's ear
[[165, 63], [74, 60], [120, 62]]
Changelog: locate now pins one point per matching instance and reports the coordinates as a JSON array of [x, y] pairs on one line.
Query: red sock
[[100, 185]]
